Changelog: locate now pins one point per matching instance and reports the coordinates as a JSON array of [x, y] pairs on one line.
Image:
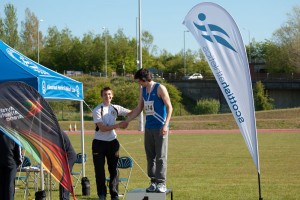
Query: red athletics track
[[197, 131]]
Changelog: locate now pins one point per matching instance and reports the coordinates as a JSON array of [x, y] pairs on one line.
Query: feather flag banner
[[28, 119], [220, 40]]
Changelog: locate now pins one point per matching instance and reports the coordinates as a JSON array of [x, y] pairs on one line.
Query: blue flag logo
[[213, 28]]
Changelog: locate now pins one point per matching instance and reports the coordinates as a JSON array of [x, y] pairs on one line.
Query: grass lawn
[[212, 166]]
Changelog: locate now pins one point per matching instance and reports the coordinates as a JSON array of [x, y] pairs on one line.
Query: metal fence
[[254, 77]]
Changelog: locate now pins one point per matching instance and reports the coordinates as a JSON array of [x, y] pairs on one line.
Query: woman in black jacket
[[10, 160], [72, 156]]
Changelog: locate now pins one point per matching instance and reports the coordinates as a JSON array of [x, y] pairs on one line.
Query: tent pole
[[82, 138], [42, 193], [259, 189]]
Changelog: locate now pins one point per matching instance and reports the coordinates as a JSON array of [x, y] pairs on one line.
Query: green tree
[[91, 89], [196, 62], [203, 66], [126, 93], [64, 58], [29, 35], [122, 54], [1, 28], [11, 36], [161, 60], [92, 53], [175, 97], [287, 37], [58, 50], [174, 63], [277, 59], [207, 106], [51, 46], [147, 40], [258, 51], [261, 98], [73, 56]]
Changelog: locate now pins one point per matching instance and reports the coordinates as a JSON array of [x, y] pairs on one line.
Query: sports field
[[214, 163], [213, 166]]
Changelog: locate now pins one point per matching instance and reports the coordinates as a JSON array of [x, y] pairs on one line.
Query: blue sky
[[162, 18]]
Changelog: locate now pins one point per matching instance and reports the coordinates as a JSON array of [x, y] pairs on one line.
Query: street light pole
[[137, 44], [140, 64], [184, 53], [38, 43], [249, 40], [105, 32], [140, 36], [42, 182], [249, 46], [124, 70]]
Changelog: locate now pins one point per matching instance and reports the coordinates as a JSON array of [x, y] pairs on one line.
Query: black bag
[[40, 195], [85, 183]]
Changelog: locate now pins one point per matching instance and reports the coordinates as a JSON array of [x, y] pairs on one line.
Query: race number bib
[[149, 107]]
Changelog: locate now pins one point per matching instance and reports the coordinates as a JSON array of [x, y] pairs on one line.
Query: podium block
[[141, 194]]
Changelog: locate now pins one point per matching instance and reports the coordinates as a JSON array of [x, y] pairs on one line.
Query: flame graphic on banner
[[27, 118]]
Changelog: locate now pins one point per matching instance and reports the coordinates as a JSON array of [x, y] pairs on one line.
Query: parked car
[[193, 76], [156, 76]]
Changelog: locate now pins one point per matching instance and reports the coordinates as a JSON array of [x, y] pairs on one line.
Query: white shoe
[[161, 188]]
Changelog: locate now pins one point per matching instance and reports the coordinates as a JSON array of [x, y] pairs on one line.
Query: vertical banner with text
[[222, 44]]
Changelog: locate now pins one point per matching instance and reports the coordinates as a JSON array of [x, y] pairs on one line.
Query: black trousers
[[110, 151], [7, 182]]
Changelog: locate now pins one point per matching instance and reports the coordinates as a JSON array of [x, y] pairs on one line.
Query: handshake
[[123, 124]]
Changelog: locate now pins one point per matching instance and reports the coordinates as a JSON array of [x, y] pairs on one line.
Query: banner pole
[[259, 189]]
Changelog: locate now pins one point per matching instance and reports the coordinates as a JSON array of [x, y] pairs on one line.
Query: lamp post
[[105, 32], [124, 70], [42, 183], [137, 44], [249, 40], [140, 36], [184, 53], [38, 43], [140, 59]]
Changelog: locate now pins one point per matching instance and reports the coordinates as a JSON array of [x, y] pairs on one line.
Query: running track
[[197, 131]]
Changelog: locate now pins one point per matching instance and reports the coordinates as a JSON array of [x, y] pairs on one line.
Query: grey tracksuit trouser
[[156, 148]]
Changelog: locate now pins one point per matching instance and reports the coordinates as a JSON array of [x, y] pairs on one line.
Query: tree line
[[126, 93], [59, 50]]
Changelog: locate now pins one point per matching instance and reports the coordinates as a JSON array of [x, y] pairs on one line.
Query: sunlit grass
[[273, 119], [212, 166]]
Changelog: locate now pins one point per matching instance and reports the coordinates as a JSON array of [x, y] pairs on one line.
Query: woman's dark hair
[[143, 74]]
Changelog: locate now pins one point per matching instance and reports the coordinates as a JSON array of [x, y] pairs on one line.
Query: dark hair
[[105, 89], [143, 74]]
